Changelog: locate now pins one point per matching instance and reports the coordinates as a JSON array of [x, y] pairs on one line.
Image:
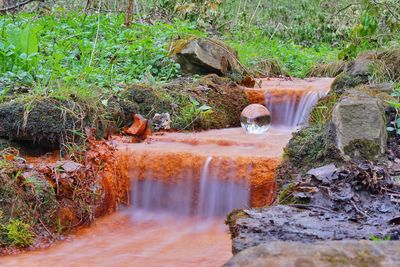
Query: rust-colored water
[[119, 240], [213, 161]]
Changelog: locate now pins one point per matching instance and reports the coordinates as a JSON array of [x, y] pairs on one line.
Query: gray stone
[[359, 125], [361, 67], [381, 87], [290, 223], [206, 56], [324, 174], [319, 254]]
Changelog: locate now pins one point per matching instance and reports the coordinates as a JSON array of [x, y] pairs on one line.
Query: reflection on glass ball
[[255, 119]]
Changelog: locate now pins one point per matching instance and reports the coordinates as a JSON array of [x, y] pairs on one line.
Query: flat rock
[[290, 223], [320, 254]]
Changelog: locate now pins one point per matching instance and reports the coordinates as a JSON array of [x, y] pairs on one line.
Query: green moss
[[47, 120], [306, 146], [178, 45], [345, 80], [310, 147], [18, 234], [364, 149], [231, 219], [144, 100]]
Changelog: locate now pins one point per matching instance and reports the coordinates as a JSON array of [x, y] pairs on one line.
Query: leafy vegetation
[[55, 53], [19, 233]]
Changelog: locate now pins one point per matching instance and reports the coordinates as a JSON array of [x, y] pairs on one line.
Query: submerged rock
[[205, 56], [360, 127], [319, 254]]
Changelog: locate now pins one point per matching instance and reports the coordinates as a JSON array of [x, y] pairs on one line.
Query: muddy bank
[[43, 197]]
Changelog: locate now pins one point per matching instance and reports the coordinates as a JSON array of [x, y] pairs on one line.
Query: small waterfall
[[291, 109], [214, 193], [219, 197]]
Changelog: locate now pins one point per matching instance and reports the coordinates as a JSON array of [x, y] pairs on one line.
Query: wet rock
[[359, 203], [291, 223], [360, 127], [325, 173], [205, 56], [139, 126], [319, 254]]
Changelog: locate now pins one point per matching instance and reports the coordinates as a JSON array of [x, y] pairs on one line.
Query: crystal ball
[[255, 119]]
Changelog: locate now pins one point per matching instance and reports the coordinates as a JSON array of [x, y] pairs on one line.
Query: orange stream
[[117, 240], [120, 240]]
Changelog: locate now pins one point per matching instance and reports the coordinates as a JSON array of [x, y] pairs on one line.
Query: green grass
[[296, 59], [76, 50]]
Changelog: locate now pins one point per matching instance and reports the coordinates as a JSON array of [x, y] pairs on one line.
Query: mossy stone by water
[[360, 126]]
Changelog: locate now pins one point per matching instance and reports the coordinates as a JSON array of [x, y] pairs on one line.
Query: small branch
[[359, 210], [305, 206], [344, 8], [16, 6]]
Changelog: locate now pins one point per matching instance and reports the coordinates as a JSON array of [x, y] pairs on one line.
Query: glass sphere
[[255, 119]]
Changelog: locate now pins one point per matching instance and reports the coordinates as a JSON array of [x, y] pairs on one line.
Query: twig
[[305, 206], [16, 6], [255, 12], [47, 230], [344, 8], [97, 36], [358, 209]]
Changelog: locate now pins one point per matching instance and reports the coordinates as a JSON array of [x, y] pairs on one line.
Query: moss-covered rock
[[360, 126], [310, 147], [204, 56], [46, 120], [346, 80], [210, 102], [370, 67]]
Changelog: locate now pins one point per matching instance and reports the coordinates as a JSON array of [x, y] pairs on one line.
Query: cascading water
[[291, 110], [206, 197]]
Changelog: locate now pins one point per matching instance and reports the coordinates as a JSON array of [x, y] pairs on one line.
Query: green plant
[[191, 112], [19, 233], [295, 59], [322, 112], [379, 239]]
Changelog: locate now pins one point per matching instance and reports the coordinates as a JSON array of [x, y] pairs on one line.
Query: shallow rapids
[[121, 240]]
